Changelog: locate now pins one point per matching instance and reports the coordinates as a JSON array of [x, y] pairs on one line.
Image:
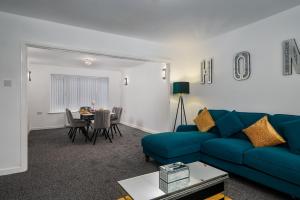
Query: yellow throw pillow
[[204, 121], [262, 134]]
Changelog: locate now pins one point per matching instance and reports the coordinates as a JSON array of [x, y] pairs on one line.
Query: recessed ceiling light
[[88, 61]]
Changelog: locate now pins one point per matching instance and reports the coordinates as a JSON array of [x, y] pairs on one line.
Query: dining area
[[94, 123]]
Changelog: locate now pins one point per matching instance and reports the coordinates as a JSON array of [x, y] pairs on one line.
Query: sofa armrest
[[186, 128]]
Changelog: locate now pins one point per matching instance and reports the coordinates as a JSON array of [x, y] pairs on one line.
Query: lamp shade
[[181, 87]]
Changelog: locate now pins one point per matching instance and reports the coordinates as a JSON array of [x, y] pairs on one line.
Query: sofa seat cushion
[[169, 145], [229, 149], [275, 161]]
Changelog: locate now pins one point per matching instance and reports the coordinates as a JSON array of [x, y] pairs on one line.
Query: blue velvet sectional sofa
[[276, 167]]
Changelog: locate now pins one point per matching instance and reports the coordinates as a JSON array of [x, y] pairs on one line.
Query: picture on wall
[[241, 69]]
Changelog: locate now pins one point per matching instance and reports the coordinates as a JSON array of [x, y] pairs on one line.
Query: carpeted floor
[[60, 170]]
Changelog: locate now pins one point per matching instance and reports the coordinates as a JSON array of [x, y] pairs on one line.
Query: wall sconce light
[[126, 81], [29, 76], [164, 71]]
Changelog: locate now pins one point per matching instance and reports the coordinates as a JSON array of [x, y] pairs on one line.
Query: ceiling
[[155, 20], [62, 58]]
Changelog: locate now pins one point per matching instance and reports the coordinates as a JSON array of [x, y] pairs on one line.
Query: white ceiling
[[156, 20], [61, 58]]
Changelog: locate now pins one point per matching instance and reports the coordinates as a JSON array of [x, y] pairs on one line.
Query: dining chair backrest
[[70, 118], [102, 119], [118, 113]]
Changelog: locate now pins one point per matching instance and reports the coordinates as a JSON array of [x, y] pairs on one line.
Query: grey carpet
[[60, 170]]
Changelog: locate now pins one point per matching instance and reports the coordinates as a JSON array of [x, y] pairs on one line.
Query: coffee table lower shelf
[[219, 196]]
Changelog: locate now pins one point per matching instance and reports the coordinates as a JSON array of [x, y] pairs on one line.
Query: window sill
[[62, 112]]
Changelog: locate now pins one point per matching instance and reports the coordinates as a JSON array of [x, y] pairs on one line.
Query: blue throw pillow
[[291, 131], [229, 124]]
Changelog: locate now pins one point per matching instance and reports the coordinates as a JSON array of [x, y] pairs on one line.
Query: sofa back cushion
[[278, 120], [229, 124], [247, 118], [291, 131], [216, 114]]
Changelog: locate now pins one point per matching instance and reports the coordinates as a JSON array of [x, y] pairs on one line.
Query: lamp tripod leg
[[176, 115], [184, 112], [181, 110]]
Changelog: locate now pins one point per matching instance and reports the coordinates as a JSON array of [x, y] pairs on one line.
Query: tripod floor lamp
[[181, 88]]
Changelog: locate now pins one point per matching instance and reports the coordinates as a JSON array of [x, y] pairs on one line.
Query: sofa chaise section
[[167, 147]]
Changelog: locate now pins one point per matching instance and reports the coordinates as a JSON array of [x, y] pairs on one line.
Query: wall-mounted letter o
[[241, 69]]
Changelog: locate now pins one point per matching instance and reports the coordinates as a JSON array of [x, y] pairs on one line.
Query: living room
[[231, 54]]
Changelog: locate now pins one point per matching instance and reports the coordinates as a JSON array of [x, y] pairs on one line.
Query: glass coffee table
[[205, 181]]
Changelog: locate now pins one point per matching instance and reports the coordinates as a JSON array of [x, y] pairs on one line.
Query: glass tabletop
[[146, 187]]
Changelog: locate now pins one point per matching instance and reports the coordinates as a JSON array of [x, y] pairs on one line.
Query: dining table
[[90, 116]]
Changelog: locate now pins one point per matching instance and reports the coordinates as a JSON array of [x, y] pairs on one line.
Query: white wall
[[16, 31], [39, 93], [265, 91], [146, 98]]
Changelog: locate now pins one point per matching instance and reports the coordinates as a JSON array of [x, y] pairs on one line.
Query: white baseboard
[[12, 170], [45, 128], [125, 123], [140, 128]]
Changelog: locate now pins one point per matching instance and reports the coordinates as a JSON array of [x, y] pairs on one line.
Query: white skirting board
[[140, 128], [125, 123], [45, 128]]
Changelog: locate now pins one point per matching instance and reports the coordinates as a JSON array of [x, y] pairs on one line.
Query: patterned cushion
[[204, 121], [262, 134]]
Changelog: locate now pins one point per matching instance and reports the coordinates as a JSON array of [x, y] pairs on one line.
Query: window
[[72, 92]]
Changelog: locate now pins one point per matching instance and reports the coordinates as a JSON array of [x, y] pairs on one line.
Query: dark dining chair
[[88, 119], [101, 124], [76, 125], [115, 120]]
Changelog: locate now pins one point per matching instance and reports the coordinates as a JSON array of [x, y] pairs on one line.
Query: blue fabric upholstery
[[276, 161], [280, 119], [249, 118], [254, 175], [169, 145], [229, 124], [276, 167], [292, 135], [228, 149], [188, 158], [216, 114], [186, 128]]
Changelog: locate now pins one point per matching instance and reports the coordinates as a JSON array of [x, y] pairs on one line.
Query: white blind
[[72, 92]]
